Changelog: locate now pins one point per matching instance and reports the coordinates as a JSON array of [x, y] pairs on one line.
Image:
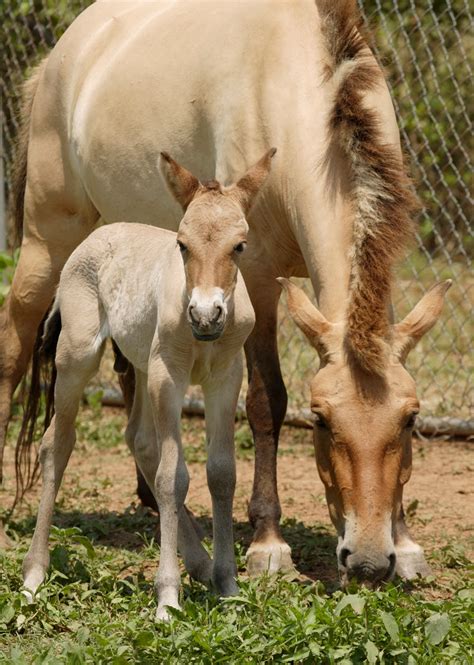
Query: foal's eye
[[182, 247], [240, 247], [411, 420]]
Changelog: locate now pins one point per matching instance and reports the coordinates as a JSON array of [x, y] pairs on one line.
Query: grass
[[98, 605]]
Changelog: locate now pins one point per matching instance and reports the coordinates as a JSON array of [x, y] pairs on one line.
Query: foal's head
[[212, 237]]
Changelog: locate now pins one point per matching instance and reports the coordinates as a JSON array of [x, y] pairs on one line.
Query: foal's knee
[[221, 476], [171, 486]]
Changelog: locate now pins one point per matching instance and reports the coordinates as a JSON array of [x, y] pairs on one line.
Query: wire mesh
[[424, 49]]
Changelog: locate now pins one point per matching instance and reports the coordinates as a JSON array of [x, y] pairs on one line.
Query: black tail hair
[[43, 379]]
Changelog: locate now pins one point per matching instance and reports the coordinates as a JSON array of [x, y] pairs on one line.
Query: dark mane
[[382, 197]]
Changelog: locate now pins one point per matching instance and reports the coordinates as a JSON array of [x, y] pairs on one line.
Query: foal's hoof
[[226, 587], [29, 595], [5, 542], [162, 613], [201, 571], [270, 557], [411, 562]]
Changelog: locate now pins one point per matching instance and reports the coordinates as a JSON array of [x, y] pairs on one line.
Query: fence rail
[[424, 48]]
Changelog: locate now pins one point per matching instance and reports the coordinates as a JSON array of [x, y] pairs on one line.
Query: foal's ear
[[247, 188], [422, 318], [181, 182], [308, 318]]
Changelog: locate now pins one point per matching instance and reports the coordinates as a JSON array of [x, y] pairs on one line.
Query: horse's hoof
[[5, 542], [411, 562], [270, 557]]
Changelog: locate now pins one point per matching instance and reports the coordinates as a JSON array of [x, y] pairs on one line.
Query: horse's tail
[[21, 151], [43, 373]]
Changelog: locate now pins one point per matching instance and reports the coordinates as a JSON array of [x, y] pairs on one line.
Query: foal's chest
[[208, 360]]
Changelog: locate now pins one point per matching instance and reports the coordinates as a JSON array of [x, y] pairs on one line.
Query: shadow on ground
[[313, 547]]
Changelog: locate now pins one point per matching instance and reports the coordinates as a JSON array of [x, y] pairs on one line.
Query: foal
[[176, 327]]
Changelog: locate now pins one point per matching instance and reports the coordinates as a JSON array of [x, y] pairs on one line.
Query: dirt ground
[[438, 498]]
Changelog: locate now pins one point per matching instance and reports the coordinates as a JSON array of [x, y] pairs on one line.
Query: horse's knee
[[266, 408], [266, 395]]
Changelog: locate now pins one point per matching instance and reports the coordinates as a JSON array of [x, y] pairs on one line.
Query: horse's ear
[[181, 182], [308, 318], [247, 188], [422, 318]]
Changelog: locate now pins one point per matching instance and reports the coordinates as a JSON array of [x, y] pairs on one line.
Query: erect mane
[[383, 201]]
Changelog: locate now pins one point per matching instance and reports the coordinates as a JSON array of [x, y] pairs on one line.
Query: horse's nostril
[[344, 554]]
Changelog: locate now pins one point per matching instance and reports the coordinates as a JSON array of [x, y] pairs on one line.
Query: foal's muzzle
[[207, 319]]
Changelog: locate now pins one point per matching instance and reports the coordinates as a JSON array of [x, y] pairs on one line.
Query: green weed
[[97, 606]]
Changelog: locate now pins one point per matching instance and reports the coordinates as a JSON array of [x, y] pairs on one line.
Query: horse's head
[[363, 431], [212, 237]]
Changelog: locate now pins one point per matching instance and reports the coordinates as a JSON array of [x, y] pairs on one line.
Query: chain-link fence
[[424, 48]]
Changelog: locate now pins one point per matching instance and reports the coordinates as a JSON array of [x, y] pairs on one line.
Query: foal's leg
[[221, 401], [266, 408], [166, 389], [74, 372], [142, 441]]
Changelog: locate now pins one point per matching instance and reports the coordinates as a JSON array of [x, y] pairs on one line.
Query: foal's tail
[[20, 161], [43, 374]]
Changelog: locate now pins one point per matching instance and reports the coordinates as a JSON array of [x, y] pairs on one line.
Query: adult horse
[[216, 84]]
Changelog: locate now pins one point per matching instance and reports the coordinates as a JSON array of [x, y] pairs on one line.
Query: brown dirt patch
[[439, 495]]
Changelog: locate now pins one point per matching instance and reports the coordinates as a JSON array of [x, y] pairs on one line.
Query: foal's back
[[134, 274]]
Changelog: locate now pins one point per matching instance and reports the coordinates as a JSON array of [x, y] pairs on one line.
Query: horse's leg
[[166, 389], [221, 401], [411, 560], [266, 408], [74, 372], [142, 441], [53, 226]]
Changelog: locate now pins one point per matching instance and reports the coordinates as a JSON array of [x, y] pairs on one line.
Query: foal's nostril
[[344, 554], [190, 310], [219, 311]]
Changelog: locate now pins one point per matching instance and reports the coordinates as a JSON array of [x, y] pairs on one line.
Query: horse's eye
[[320, 421], [240, 247], [410, 423], [182, 247]]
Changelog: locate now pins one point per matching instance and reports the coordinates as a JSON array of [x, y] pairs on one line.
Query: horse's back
[[209, 82]]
